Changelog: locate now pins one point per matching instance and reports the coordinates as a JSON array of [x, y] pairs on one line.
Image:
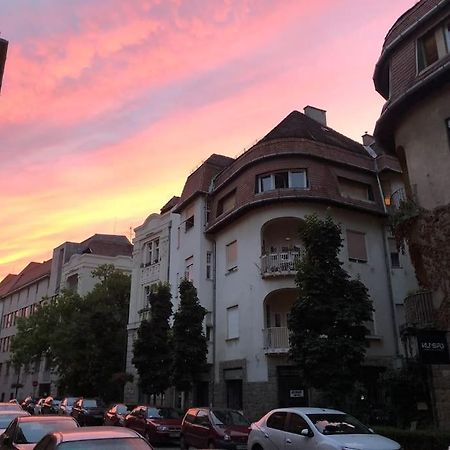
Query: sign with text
[[296, 393], [433, 347]]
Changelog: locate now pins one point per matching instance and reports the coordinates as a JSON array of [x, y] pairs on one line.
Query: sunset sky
[[108, 105]]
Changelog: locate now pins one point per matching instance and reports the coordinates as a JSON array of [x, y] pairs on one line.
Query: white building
[[70, 268], [237, 241]]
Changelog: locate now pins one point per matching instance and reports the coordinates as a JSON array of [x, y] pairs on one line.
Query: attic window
[[433, 46]]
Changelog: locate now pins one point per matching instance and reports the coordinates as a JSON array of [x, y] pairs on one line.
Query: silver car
[[314, 428]]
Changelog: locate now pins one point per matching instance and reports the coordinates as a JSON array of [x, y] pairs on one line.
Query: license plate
[[241, 447], [174, 435]]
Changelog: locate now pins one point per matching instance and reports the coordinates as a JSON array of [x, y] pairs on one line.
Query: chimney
[[319, 115], [367, 139]]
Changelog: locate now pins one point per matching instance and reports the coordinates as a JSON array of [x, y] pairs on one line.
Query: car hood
[[236, 430], [365, 441]]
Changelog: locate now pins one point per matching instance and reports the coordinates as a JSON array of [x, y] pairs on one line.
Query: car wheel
[[183, 445]]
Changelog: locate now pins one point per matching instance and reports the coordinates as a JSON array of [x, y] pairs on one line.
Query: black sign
[[433, 347]]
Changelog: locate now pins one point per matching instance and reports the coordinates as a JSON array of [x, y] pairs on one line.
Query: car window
[[189, 418], [6, 419], [202, 419], [277, 420], [338, 424], [32, 432], [121, 409], [228, 417], [90, 403], [162, 413], [297, 424]]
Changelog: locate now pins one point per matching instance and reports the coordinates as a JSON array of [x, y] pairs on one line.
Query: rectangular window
[[233, 322], [356, 246], [393, 251], [227, 203], [428, 49], [189, 218], [209, 266], [189, 271], [282, 180], [355, 189], [231, 255]]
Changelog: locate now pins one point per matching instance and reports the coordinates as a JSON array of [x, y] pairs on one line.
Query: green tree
[[327, 322], [84, 338], [152, 349], [189, 342]]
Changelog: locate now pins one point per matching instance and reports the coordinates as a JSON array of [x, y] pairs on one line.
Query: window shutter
[[356, 244]]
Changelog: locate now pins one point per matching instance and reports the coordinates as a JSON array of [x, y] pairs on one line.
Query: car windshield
[[106, 444], [31, 432], [338, 424], [6, 419], [162, 413], [10, 407], [223, 417], [90, 403], [122, 409]]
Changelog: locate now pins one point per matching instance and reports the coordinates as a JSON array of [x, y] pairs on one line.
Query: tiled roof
[[298, 125], [200, 180], [32, 272], [107, 245], [170, 204], [6, 283]]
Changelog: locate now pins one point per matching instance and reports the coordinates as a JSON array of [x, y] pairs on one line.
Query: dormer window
[[433, 45], [282, 180]]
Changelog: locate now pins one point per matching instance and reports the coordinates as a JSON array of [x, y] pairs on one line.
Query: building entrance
[[291, 390]]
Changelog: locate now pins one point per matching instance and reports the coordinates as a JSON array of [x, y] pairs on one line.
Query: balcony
[[419, 310], [276, 340], [280, 263], [150, 273]]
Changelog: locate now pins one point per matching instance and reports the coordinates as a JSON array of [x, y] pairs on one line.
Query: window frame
[[231, 264], [351, 258], [231, 336], [272, 180]]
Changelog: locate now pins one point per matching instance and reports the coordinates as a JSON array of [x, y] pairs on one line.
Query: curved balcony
[[280, 263], [419, 310], [276, 340]]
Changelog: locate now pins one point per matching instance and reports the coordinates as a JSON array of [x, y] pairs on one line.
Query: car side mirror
[[305, 432]]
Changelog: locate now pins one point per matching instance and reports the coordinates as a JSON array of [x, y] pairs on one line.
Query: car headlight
[[226, 437], [162, 428]]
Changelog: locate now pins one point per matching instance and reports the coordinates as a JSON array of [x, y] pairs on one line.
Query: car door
[[274, 431], [201, 430], [294, 440]]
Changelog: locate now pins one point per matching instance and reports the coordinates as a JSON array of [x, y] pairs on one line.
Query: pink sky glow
[[107, 106]]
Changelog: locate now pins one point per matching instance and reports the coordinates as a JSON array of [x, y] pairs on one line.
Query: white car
[[314, 429]]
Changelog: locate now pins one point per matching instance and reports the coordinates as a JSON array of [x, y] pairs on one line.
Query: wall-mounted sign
[[433, 347], [296, 393]]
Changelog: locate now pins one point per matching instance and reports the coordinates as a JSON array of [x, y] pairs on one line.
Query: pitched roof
[[299, 125], [170, 204], [199, 181], [6, 284], [32, 272], [107, 245]]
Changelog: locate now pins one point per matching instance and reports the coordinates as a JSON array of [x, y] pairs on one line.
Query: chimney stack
[[319, 115], [367, 139]]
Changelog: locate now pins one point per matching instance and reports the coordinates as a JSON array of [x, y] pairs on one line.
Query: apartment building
[[237, 241], [70, 268], [413, 75]]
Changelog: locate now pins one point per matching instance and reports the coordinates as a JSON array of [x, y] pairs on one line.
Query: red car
[[157, 424], [214, 428]]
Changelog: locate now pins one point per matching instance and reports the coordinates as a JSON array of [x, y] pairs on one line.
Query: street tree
[[152, 354], [189, 341], [327, 322], [83, 338]]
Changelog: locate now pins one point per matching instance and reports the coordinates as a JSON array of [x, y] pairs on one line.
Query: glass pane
[[281, 180], [338, 424], [265, 183], [298, 179]]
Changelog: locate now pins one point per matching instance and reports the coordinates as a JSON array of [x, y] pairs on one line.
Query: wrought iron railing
[[280, 262], [419, 310]]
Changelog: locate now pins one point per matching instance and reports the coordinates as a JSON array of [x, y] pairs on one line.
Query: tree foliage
[[189, 342], [84, 338], [152, 348], [327, 329]]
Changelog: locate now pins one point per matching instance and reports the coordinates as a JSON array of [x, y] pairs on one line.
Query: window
[[282, 180], [276, 420], [355, 189], [231, 255], [202, 419], [226, 203], [209, 274], [393, 250], [189, 218], [189, 271], [433, 45], [297, 424], [356, 246], [233, 322], [152, 252]]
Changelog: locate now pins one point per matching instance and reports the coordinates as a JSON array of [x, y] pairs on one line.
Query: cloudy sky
[[107, 105]]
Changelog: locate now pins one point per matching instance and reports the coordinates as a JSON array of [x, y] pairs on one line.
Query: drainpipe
[[388, 271], [169, 249], [214, 324]]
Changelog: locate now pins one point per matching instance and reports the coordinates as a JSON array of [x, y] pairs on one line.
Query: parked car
[[24, 432], [88, 411], [310, 428], [65, 407], [50, 406], [4, 406], [214, 428], [38, 406], [115, 415], [94, 438], [6, 417], [157, 424]]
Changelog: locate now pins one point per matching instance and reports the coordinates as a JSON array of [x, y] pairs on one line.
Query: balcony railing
[[280, 262], [276, 340], [419, 310]]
